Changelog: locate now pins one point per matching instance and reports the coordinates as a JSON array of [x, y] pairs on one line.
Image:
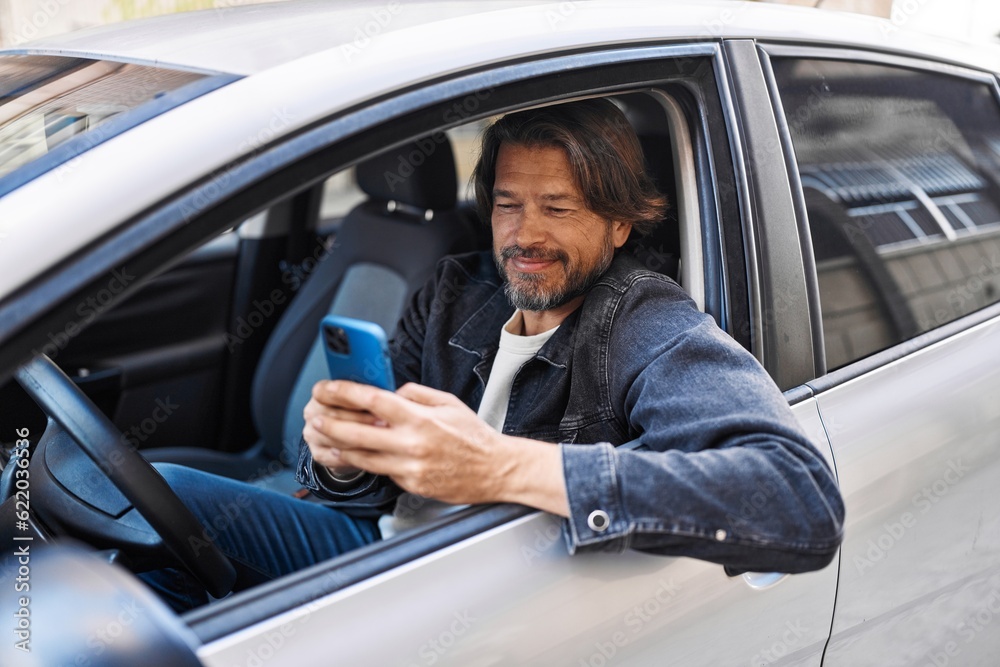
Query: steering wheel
[[130, 473]]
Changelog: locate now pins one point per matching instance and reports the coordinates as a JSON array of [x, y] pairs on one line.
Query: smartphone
[[357, 350]]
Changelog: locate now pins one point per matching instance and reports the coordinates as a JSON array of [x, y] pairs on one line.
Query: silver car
[[181, 199]]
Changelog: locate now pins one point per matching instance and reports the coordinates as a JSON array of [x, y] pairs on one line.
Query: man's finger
[[378, 463], [327, 393], [341, 394], [314, 409], [317, 438], [424, 395], [349, 435], [385, 405], [328, 457]]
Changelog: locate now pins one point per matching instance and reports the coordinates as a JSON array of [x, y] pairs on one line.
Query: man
[[521, 369], [559, 338]]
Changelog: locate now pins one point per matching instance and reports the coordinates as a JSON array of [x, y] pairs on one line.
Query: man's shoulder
[[635, 298], [628, 275]]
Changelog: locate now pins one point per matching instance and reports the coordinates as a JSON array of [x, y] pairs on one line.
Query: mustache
[[512, 251]]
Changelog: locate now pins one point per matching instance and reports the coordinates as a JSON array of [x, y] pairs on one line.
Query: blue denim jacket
[[723, 471]]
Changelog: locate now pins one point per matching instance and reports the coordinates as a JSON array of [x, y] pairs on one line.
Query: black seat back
[[385, 249]]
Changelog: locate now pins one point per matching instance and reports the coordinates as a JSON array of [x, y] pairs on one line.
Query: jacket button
[[599, 521], [720, 535]]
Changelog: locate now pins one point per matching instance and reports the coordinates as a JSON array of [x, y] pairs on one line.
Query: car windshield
[[47, 100]]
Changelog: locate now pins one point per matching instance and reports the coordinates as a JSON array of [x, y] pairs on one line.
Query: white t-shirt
[[413, 510], [514, 351]]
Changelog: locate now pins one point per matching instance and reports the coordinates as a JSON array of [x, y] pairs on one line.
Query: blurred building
[[24, 20]]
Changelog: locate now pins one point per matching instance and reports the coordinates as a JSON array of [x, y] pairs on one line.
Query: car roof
[[252, 38], [421, 41]]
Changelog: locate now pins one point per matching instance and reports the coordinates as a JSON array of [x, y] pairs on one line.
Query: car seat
[[660, 249], [385, 249]]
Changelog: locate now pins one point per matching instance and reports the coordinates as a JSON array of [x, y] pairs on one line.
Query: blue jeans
[[265, 534]]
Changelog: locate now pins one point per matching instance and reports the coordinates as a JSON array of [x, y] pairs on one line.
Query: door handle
[[762, 580]]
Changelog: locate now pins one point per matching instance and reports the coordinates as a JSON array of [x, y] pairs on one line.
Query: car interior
[[210, 363]]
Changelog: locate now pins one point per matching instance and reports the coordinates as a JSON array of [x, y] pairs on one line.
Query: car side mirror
[[68, 606]]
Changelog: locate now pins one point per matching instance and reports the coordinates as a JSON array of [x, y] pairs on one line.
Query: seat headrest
[[420, 173]]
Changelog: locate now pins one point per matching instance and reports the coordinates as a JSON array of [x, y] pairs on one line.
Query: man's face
[[548, 246]]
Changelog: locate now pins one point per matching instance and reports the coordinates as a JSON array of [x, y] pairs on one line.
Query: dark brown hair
[[603, 152]]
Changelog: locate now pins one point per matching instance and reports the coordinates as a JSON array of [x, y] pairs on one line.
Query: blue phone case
[[356, 350]]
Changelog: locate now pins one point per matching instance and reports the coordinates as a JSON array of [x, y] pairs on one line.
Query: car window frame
[[825, 379], [191, 216], [358, 566], [151, 241]]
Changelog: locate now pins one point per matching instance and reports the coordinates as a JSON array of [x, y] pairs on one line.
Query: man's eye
[[506, 207], [558, 211]]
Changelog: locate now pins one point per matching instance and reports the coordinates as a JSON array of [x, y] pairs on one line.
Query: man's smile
[[531, 265]]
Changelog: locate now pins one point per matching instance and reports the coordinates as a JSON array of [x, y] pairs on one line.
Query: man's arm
[[726, 475], [432, 444], [724, 471]]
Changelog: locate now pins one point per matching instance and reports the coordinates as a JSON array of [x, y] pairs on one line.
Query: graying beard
[[522, 300]]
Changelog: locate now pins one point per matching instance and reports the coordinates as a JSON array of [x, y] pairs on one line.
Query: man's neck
[[539, 321]]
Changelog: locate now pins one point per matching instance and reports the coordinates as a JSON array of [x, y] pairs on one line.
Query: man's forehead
[[548, 195], [540, 167]]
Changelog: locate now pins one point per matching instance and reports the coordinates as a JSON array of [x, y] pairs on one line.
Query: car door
[[496, 585], [156, 363], [898, 162]]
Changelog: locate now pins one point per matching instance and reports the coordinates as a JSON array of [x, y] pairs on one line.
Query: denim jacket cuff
[[319, 481], [597, 520]]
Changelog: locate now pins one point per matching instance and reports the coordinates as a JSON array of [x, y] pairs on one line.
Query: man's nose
[[530, 228]]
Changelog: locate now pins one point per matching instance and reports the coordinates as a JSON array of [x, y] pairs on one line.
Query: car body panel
[[282, 99], [514, 596], [916, 467], [230, 39]]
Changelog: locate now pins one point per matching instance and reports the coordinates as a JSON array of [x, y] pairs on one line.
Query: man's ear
[[620, 232]]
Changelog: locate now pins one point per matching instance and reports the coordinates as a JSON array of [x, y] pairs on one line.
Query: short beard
[[532, 296]]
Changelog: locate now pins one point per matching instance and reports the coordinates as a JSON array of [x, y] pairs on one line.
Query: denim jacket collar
[[480, 335]]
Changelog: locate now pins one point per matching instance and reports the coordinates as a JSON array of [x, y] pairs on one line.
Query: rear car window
[[341, 192], [900, 171], [49, 101]]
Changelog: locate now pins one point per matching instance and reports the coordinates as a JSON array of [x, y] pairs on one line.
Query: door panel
[[901, 186], [513, 596], [154, 363], [917, 444]]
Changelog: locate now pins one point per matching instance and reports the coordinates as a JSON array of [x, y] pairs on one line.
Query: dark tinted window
[[901, 175]]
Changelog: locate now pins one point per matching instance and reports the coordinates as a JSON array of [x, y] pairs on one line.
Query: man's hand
[[431, 444], [323, 404]]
